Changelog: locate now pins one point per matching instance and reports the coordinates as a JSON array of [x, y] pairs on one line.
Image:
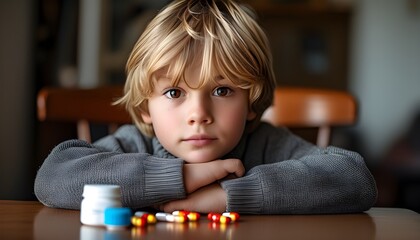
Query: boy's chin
[[199, 161], [197, 158]]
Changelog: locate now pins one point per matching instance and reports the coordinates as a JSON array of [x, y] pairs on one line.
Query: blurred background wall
[[385, 75], [368, 47], [17, 105]]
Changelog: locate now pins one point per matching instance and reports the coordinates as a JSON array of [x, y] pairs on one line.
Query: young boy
[[199, 79]]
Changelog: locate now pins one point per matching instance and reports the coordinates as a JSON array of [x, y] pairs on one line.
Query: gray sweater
[[284, 174]]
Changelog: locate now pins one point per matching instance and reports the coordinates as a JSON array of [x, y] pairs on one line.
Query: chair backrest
[[292, 107], [312, 108], [82, 106]]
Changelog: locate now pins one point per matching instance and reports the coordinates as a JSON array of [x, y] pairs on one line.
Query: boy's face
[[198, 125]]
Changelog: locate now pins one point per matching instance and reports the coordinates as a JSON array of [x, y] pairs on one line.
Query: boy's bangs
[[211, 68], [191, 53], [231, 64]]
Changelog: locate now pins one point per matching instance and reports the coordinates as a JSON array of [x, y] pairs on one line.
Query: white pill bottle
[[96, 198]]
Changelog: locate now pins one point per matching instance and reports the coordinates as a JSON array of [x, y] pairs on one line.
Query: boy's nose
[[200, 112]]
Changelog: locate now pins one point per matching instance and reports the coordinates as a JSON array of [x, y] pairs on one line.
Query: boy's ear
[[146, 118], [251, 115]]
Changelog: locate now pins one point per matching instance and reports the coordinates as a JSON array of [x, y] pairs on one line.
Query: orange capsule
[[234, 216], [193, 216], [138, 221], [150, 218], [224, 219]]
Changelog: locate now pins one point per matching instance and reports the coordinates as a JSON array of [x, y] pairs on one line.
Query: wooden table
[[31, 220]]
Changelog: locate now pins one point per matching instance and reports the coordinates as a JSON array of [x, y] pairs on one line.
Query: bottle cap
[[117, 217], [101, 190]]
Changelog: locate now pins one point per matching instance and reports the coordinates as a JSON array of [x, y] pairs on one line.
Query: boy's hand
[[197, 175], [211, 198]]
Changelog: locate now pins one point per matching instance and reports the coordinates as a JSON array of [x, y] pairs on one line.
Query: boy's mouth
[[199, 140]]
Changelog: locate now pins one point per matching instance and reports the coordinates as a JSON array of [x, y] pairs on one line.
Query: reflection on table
[[31, 220]]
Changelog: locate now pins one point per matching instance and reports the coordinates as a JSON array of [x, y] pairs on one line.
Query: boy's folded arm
[[145, 180], [330, 180]]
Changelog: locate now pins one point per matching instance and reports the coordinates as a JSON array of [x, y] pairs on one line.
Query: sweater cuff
[[244, 195], [163, 180]]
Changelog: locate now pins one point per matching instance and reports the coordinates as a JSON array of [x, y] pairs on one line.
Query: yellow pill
[[151, 219]]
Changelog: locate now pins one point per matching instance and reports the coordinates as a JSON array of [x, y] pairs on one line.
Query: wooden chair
[[312, 108], [292, 107], [82, 106]]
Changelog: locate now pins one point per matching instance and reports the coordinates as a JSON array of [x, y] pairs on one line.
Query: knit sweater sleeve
[[124, 159], [288, 175]]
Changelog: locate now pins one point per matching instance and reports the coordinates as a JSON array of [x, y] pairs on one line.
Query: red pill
[[214, 217]]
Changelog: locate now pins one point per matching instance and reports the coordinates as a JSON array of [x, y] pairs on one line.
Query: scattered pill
[[166, 217], [214, 217], [192, 216], [234, 216], [140, 213], [180, 213], [141, 219], [150, 218], [224, 219], [219, 218], [138, 221]]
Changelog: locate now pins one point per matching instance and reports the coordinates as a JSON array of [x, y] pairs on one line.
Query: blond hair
[[223, 33]]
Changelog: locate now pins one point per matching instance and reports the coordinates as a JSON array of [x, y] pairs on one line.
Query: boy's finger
[[235, 166]]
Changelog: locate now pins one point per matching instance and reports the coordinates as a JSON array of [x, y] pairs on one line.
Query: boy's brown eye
[[173, 93], [222, 91]]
